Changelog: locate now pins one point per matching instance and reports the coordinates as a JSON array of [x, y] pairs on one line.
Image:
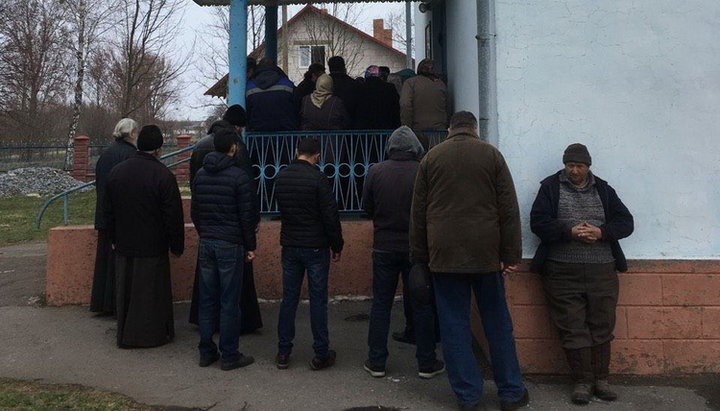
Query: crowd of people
[[379, 100], [446, 220]]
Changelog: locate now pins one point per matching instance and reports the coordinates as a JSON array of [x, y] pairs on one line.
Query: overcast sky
[[193, 104]]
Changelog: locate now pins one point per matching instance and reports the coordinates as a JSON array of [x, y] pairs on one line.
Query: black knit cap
[[150, 138], [235, 115], [577, 153]]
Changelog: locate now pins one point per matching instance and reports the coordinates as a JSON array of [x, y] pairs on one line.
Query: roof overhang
[[283, 2]]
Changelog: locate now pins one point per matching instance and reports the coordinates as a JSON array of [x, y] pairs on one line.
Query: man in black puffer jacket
[[223, 211], [310, 230]]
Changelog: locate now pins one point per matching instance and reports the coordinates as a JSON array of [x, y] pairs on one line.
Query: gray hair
[[124, 128]]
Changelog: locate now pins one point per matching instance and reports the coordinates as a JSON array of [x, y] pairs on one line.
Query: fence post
[[182, 170], [80, 158]]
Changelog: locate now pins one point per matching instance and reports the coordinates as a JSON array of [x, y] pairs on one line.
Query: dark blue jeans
[[296, 261], [387, 267], [452, 295], [221, 271]]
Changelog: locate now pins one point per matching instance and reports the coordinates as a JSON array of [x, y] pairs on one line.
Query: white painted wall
[[638, 82], [462, 55]]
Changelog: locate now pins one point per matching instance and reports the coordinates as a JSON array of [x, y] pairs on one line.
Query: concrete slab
[[70, 345]]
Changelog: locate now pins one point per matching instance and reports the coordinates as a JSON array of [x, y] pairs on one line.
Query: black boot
[[601, 369], [581, 370]]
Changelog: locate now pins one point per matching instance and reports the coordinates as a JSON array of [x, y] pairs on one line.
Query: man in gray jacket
[[387, 196]]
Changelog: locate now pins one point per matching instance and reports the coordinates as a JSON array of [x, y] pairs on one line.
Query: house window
[[311, 54]]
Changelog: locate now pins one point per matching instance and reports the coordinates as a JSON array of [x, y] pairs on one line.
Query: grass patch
[[17, 215], [25, 395], [17, 219]]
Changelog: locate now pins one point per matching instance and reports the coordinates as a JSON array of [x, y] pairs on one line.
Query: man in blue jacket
[[579, 219], [224, 213], [269, 99]]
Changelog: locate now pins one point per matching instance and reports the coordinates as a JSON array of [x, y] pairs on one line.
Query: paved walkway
[[70, 345]]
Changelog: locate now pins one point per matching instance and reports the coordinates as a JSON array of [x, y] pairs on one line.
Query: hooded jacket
[[388, 191], [270, 102], [223, 202], [465, 214], [206, 145]]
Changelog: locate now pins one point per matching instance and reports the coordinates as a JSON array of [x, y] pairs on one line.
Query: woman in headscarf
[[323, 111]]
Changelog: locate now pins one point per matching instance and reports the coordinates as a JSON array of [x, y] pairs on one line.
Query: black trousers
[[582, 299]]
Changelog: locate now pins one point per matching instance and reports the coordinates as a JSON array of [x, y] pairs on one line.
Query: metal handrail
[[64, 194]]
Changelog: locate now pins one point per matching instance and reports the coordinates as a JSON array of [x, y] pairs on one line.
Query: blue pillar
[[237, 53], [271, 22]]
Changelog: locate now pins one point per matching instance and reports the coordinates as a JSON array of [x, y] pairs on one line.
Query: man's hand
[[508, 268], [336, 256], [590, 233], [249, 256], [576, 232]]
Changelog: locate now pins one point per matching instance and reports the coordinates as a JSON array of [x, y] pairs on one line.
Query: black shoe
[[403, 337], [374, 370], [582, 393], [602, 391], [282, 361], [437, 368], [319, 363], [206, 361], [243, 361], [515, 405]]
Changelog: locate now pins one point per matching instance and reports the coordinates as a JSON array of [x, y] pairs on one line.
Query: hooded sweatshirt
[[388, 191], [269, 100], [223, 202]]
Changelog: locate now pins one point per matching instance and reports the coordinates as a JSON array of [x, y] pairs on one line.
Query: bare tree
[[140, 60], [334, 35], [396, 21], [256, 25], [87, 22], [33, 69]]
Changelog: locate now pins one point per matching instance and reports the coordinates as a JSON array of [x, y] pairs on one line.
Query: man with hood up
[[223, 211], [269, 98], [387, 197]]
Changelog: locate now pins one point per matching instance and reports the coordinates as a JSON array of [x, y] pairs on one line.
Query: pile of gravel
[[35, 181]]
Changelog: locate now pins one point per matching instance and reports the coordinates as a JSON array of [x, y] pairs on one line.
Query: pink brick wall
[[668, 317], [668, 320]]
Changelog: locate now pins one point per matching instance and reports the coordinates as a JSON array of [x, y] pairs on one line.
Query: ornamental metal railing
[[345, 158]]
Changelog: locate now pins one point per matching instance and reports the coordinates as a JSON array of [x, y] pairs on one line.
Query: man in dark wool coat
[[102, 299], [144, 218]]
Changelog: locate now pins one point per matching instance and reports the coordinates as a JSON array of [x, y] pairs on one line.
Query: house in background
[[315, 35]]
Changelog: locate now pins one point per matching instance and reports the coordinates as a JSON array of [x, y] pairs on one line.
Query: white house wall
[[637, 82], [370, 52]]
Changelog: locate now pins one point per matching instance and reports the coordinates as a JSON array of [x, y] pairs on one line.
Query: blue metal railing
[[64, 195], [345, 157]]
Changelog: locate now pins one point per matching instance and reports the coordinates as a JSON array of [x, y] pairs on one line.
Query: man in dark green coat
[[465, 225]]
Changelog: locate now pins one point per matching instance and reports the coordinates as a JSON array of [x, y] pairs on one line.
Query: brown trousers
[[582, 299]]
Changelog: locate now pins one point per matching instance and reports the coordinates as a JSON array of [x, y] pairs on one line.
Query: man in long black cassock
[[102, 299], [144, 220]]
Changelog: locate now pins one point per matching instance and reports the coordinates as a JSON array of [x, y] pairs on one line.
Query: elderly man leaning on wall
[[579, 219]]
